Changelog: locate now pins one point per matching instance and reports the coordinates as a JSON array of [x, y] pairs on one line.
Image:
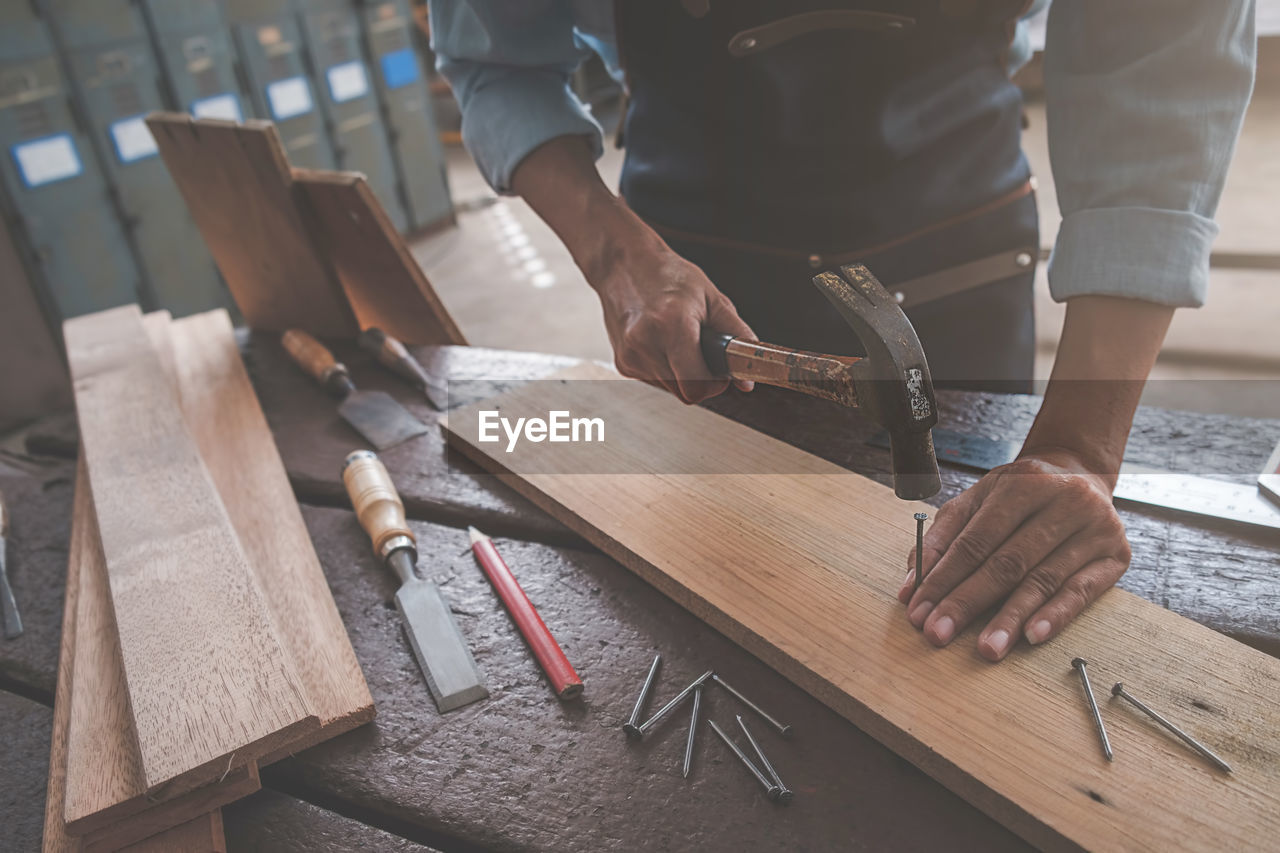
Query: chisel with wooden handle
[[451, 673], [8, 607], [374, 414], [396, 357]]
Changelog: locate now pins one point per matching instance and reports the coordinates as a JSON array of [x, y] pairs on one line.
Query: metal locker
[[332, 32], [116, 76], [272, 55], [406, 109], [55, 198], [194, 47]]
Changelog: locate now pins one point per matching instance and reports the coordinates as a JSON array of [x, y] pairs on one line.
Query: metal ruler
[[1243, 503]]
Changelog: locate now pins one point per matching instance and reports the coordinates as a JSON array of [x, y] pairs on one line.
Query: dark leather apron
[[769, 139]]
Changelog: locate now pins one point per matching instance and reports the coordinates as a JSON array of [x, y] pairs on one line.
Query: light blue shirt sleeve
[[1145, 99], [509, 63]]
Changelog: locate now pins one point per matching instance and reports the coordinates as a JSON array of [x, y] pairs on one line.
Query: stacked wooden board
[[201, 639], [799, 561]]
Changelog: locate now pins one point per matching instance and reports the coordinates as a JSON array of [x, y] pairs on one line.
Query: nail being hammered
[[921, 518]]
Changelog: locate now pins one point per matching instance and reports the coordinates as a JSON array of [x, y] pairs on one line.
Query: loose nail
[[998, 641], [922, 611], [1038, 631], [944, 629]]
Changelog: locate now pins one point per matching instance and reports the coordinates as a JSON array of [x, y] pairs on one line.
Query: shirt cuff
[[1159, 256], [507, 118]]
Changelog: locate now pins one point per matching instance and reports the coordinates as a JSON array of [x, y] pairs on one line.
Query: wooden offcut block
[[800, 561], [209, 684]]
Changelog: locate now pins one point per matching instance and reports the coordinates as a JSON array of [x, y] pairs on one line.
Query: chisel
[[374, 414], [9, 607], [451, 673], [396, 357]]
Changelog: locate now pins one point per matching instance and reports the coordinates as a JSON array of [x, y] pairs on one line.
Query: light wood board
[[210, 686], [235, 442], [237, 184], [198, 835], [105, 788], [800, 561], [384, 284]]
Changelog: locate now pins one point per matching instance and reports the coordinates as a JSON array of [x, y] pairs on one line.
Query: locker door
[[55, 198], [193, 44], [271, 51], [332, 32], [118, 81], [406, 107]]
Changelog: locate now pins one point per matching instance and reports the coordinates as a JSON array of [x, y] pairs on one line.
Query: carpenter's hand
[[655, 305], [1038, 538]]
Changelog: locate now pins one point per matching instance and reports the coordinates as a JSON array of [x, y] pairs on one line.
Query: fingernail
[[1038, 631], [749, 385], [921, 613], [943, 629], [997, 641]]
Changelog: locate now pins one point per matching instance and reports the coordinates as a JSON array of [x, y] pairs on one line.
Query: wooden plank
[[384, 284], [198, 835], [238, 187], [209, 684], [236, 445], [799, 561]]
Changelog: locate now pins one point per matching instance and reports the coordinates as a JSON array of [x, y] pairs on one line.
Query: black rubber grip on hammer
[[714, 345]]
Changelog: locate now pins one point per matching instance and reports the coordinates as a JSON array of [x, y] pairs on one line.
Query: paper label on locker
[[347, 81], [399, 68], [133, 140], [225, 106], [289, 98], [43, 161]]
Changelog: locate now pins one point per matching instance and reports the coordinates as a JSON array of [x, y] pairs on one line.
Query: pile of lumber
[[200, 639]]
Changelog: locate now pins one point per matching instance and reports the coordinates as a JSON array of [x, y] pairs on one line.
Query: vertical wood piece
[[237, 184], [201, 834], [799, 561], [386, 287], [237, 446], [209, 683]]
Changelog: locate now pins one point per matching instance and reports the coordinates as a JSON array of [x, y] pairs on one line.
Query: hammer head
[[893, 383]]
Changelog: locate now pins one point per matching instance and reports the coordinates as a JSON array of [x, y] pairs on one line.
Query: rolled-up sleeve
[[510, 64], [1144, 99]]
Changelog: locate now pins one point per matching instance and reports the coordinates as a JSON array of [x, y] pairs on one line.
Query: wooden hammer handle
[[376, 502], [315, 358], [812, 373]]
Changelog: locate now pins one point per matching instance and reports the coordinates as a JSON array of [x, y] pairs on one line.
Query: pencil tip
[[476, 535]]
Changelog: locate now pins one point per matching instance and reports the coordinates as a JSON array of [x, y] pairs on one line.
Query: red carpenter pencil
[[564, 680]]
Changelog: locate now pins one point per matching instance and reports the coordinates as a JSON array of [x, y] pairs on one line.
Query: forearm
[[1107, 349], [560, 182]]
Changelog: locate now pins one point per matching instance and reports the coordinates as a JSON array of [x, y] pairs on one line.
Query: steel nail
[[672, 705], [1119, 690], [921, 518], [1079, 664], [785, 794], [630, 727], [785, 731], [693, 728], [771, 790]]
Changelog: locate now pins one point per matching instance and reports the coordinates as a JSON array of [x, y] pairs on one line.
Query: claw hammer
[[891, 384]]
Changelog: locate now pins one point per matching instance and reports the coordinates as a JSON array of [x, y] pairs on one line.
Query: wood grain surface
[[233, 438], [799, 561], [238, 187], [210, 686], [200, 834], [384, 284]]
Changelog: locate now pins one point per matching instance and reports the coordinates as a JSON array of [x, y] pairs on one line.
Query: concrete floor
[[510, 283]]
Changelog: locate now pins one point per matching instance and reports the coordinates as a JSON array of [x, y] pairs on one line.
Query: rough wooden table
[[523, 771]]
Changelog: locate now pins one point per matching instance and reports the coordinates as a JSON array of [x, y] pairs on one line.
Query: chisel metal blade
[[451, 672], [380, 419]]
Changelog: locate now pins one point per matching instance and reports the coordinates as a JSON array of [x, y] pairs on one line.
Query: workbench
[[522, 770]]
